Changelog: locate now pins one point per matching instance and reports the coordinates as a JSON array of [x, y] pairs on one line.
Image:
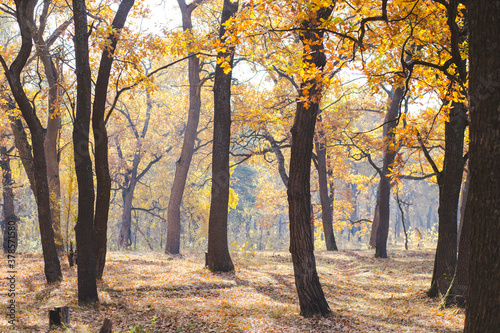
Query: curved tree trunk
[[24, 11], [182, 165], [311, 297], [101, 140], [218, 258], [482, 211]]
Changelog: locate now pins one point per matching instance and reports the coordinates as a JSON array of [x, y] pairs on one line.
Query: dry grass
[[150, 292]]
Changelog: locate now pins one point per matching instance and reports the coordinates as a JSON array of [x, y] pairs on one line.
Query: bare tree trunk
[[218, 258], [482, 211], [449, 181], [457, 292], [125, 239], [84, 229], [101, 140], [311, 297], [182, 165]]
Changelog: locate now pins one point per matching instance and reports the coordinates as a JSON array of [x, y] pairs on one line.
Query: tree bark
[[326, 205], [101, 139], [450, 183], [24, 12], [218, 258], [84, 229], [311, 297], [184, 162], [482, 211]]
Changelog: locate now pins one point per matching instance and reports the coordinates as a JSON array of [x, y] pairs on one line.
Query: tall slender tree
[[84, 229], [101, 138], [218, 257], [182, 165]]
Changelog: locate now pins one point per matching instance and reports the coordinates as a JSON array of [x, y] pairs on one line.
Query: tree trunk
[[84, 229], [125, 238], [450, 183], [182, 165], [101, 140], [53, 126], [218, 258], [457, 292], [132, 176], [326, 206], [24, 12], [482, 211], [10, 230], [380, 227], [311, 297], [24, 149]]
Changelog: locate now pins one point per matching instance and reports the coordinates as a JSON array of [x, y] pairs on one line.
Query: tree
[[101, 137], [24, 16], [483, 303], [131, 173], [311, 297], [326, 197], [380, 226], [84, 229], [218, 258], [182, 165]]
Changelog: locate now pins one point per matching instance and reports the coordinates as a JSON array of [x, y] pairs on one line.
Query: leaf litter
[[153, 292]]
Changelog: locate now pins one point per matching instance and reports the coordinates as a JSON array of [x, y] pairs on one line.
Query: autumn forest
[[250, 165]]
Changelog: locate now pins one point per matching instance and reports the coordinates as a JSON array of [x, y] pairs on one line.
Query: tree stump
[[59, 316], [106, 326]]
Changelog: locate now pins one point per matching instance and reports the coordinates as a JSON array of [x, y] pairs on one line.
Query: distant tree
[[325, 191], [132, 175], [380, 226], [218, 257], [482, 210]]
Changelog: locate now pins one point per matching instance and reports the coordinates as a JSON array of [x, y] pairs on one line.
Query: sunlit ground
[[151, 292]]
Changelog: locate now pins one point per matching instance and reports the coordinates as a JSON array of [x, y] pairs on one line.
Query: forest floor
[[153, 292]]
